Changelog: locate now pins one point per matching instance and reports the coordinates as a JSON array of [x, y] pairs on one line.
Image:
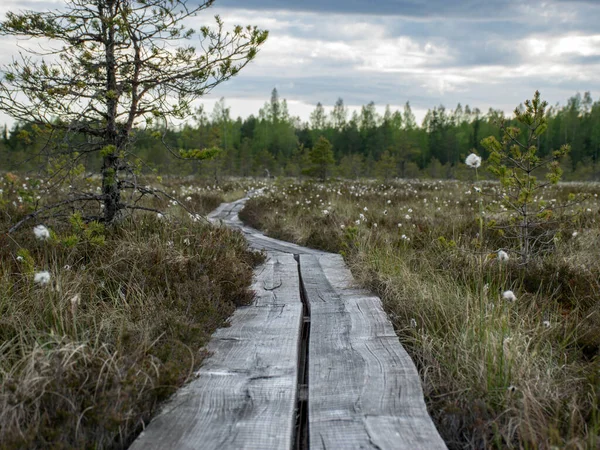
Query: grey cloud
[[395, 89], [473, 19], [476, 33], [581, 60], [490, 41], [411, 8], [511, 92]]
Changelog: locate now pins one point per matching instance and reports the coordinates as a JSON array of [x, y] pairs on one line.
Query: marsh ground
[[99, 325], [498, 370]]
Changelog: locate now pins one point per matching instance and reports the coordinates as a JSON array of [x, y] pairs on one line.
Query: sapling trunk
[[110, 188]]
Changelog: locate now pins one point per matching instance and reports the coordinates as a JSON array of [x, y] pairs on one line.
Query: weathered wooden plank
[[227, 213], [364, 390], [259, 242], [245, 393], [221, 213]]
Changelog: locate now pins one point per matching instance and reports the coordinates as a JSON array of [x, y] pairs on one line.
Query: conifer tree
[[109, 66], [385, 168], [321, 159], [515, 162]]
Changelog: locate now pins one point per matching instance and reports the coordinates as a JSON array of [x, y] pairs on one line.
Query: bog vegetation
[[508, 353], [98, 325], [103, 314]]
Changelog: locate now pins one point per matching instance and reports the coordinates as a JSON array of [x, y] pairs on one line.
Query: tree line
[[341, 143]]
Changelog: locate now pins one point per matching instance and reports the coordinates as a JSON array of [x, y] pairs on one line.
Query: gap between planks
[[302, 395]]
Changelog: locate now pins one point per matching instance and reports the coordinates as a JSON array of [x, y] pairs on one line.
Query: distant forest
[[364, 144]]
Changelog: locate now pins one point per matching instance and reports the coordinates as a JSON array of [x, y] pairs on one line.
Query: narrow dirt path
[[313, 363]]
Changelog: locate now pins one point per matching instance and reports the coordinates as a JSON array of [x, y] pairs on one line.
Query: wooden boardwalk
[[313, 363]]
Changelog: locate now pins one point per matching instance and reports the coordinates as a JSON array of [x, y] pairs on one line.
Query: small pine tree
[[515, 162], [385, 168], [351, 166], [435, 168], [321, 159]]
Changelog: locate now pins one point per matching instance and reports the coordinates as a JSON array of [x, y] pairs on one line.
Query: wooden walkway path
[[313, 363]]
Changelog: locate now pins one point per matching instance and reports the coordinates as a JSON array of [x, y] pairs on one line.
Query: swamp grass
[[87, 358], [495, 373]]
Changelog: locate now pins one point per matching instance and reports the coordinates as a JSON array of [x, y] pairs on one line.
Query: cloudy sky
[[484, 53]]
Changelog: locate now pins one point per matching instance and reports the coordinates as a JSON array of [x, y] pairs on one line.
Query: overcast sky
[[484, 53]]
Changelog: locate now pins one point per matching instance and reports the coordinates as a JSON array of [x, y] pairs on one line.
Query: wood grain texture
[[245, 393], [364, 390]]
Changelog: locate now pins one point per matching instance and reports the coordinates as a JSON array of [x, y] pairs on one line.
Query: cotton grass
[[41, 232], [502, 256], [42, 277], [473, 161], [509, 296]]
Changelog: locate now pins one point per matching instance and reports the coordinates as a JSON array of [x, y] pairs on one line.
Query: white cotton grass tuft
[[42, 277], [502, 256], [473, 161], [509, 296], [41, 232], [75, 301]]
